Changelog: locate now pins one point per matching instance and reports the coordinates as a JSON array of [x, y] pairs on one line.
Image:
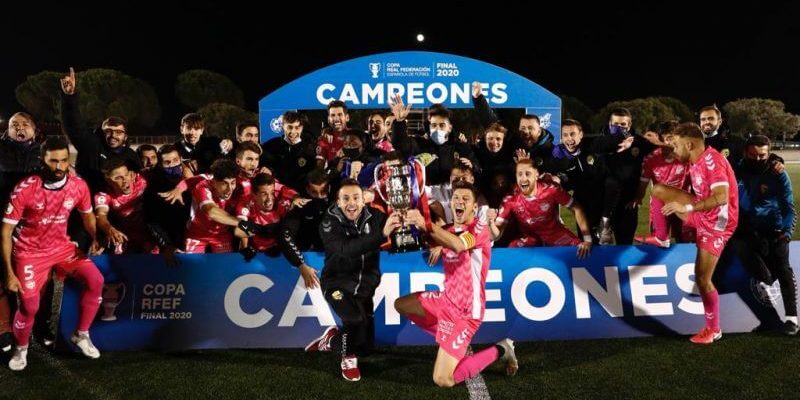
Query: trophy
[[399, 192], [113, 293]]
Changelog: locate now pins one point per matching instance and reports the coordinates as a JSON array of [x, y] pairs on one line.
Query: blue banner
[[421, 78], [219, 301]]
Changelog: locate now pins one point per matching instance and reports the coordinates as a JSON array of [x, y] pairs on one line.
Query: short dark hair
[[54, 143], [317, 177], [291, 117], [666, 128], [757, 140], [262, 179], [247, 146], [348, 182], [145, 147], [531, 116], [713, 108], [462, 184], [115, 121], [224, 169], [240, 127], [193, 121], [690, 130], [621, 112], [337, 103], [111, 164], [166, 149], [572, 122], [439, 110]]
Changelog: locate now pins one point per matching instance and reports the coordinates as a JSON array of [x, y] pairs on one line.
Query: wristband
[[689, 208], [587, 238]]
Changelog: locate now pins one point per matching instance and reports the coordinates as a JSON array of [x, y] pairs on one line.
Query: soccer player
[[124, 203], [265, 206], [713, 210], [43, 203], [535, 206], [454, 315]]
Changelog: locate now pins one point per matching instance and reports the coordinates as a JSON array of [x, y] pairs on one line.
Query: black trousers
[[767, 259], [624, 223], [357, 335]]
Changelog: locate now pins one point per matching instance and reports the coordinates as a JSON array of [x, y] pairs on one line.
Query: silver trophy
[[113, 293], [396, 191]]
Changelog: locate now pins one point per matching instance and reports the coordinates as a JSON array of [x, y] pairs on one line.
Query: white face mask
[[438, 137]]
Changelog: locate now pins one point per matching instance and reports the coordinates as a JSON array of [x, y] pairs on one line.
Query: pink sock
[[23, 319], [711, 308], [472, 365], [91, 297], [658, 220], [425, 323]]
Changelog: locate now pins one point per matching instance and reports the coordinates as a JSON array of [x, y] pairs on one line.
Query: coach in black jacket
[[351, 235]]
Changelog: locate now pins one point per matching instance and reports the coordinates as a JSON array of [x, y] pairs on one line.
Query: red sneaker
[[706, 336], [350, 368], [653, 241], [323, 343]]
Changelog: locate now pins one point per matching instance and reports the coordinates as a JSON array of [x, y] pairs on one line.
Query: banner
[[421, 78], [220, 301]]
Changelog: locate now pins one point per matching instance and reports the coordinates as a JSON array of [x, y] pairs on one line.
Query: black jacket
[[299, 230], [728, 144], [290, 163], [205, 152], [438, 170], [93, 152], [17, 160], [352, 251]]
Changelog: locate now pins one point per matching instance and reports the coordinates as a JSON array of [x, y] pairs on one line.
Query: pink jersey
[[665, 170], [465, 272], [127, 207], [384, 146], [538, 213], [44, 213], [709, 171], [327, 150], [248, 210], [200, 224]]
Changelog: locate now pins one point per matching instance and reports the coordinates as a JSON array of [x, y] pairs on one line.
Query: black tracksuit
[[351, 274]]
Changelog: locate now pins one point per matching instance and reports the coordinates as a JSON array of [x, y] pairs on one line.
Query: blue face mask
[[175, 172], [438, 137], [617, 130]]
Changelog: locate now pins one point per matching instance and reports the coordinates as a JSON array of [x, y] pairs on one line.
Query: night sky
[[699, 54]]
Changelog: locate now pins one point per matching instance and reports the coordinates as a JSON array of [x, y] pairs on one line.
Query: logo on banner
[[374, 69], [544, 120], [113, 293], [276, 124]]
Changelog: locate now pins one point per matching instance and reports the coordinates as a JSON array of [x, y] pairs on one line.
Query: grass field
[[755, 365], [644, 210]]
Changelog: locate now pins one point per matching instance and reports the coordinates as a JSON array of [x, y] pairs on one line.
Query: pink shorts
[[454, 330], [711, 241], [560, 236], [34, 271], [218, 245], [525, 241]]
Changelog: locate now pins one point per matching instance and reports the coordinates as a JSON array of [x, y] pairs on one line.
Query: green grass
[[739, 366], [644, 211]]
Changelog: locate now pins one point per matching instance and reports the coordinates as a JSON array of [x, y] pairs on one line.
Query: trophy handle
[[422, 174], [376, 173]]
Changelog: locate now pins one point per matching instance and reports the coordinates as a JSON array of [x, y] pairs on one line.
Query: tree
[[572, 108], [645, 112], [103, 92], [221, 119], [681, 110], [765, 116], [199, 87], [39, 95]]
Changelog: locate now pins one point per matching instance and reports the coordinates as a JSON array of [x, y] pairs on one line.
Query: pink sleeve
[[647, 168], [202, 194], [18, 201], [101, 200], [242, 211], [715, 171], [562, 197], [85, 201], [506, 207]]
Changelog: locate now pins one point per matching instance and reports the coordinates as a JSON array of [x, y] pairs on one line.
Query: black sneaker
[[6, 340], [790, 328]]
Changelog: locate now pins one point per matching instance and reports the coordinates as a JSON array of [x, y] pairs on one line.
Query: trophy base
[[404, 242]]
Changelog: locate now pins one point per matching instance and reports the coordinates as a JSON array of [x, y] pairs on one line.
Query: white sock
[[792, 318]]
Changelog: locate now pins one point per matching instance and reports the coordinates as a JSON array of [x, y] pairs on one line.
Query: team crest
[[301, 162], [635, 151], [539, 161], [101, 200], [337, 295], [544, 207], [590, 159], [245, 212], [68, 202], [276, 124], [726, 153], [764, 188]]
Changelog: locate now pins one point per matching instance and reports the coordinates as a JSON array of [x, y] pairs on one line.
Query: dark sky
[[698, 53]]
